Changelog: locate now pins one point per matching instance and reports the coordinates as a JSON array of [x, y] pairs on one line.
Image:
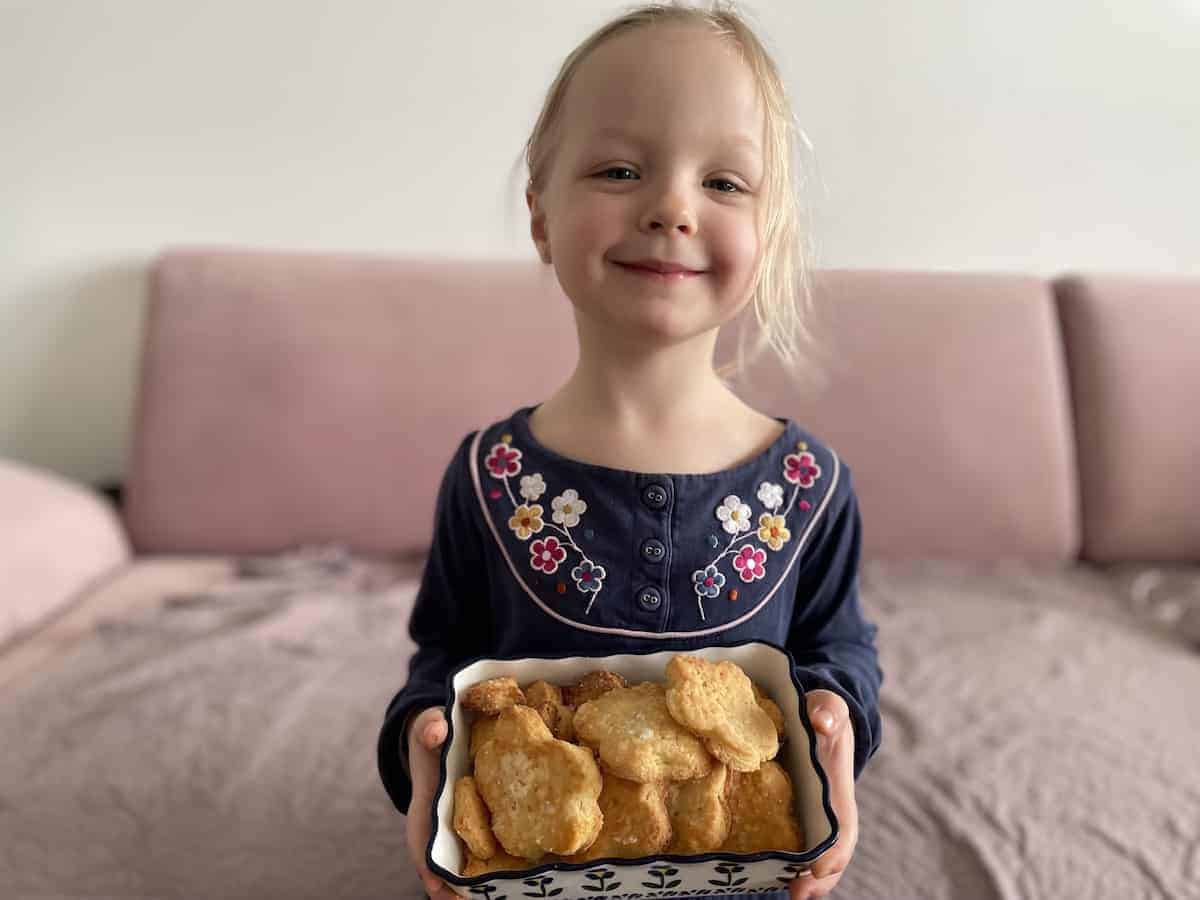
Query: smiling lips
[[659, 269]]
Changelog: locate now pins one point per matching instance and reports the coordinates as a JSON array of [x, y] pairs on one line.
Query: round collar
[[783, 444]]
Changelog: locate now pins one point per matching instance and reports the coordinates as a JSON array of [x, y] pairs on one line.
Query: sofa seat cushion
[[197, 731], [209, 729], [1039, 733]]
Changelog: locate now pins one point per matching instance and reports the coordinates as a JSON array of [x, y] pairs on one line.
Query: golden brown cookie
[[716, 701], [771, 708], [491, 696], [542, 792], [547, 699], [638, 739], [591, 686], [760, 807], [501, 862], [699, 812], [472, 821], [542, 692], [559, 719], [483, 729], [636, 822]]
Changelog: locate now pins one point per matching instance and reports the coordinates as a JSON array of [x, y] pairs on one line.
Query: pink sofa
[[192, 685]]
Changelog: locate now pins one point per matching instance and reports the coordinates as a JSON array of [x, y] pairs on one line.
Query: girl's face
[[659, 162]]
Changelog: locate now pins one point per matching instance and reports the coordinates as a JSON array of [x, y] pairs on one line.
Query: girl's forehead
[[662, 80]]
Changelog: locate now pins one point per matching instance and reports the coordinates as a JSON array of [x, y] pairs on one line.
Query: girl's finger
[[827, 711], [811, 888], [435, 734]]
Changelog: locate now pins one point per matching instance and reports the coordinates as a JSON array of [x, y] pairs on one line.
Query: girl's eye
[[719, 181], [736, 189], [617, 169]]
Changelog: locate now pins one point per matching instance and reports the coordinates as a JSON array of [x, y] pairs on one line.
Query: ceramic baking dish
[[654, 876]]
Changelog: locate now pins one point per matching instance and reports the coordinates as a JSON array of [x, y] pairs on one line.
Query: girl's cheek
[[592, 229], [734, 251]]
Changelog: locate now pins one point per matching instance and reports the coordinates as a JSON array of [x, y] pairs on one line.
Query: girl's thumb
[[435, 734]]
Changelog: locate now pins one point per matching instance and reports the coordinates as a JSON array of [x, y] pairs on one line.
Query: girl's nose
[[669, 215]]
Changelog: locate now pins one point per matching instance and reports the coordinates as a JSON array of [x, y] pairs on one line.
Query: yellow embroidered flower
[[773, 531], [526, 520]]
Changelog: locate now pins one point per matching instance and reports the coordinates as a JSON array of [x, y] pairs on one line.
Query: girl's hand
[[426, 735], [835, 750]]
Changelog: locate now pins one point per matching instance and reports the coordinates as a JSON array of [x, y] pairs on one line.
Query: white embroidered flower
[[770, 495], [734, 515], [568, 508], [532, 486]]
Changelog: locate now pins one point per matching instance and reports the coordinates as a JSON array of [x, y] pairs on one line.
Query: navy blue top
[[537, 554]]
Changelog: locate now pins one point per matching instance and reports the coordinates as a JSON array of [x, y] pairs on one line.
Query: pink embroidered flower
[[773, 530], [503, 461], [801, 469], [526, 520], [749, 563], [547, 554]]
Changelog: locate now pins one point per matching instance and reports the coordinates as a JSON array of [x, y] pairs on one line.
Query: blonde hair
[[782, 295]]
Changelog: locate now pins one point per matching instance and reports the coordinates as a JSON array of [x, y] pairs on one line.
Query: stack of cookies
[[601, 768]]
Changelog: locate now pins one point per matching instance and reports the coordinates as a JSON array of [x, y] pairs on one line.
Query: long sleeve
[[831, 641], [450, 622]]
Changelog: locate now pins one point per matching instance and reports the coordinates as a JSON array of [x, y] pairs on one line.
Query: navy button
[[655, 496], [650, 598], [654, 550]]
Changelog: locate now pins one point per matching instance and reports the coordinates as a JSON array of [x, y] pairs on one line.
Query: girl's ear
[[537, 226]]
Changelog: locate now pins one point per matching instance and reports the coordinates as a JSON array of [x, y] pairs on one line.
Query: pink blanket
[[209, 731]]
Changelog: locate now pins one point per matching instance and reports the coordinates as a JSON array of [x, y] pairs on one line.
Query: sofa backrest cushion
[[1133, 349], [290, 398], [302, 397], [947, 397]]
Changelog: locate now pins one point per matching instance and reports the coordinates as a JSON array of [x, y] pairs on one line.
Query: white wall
[[1028, 136]]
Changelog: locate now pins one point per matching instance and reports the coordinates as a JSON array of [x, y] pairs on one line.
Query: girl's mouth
[[654, 274]]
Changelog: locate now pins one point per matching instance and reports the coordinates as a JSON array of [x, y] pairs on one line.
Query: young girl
[[642, 506]]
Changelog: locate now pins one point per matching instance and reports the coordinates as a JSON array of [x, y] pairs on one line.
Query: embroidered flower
[[734, 515], [708, 581], [588, 576], [770, 495], [547, 554], [526, 520], [801, 469], [773, 530], [749, 563], [532, 486], [568, 508], [503, 461]]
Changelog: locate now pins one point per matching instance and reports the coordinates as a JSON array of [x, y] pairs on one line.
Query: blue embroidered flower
[[708, 583], [588, 577]]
